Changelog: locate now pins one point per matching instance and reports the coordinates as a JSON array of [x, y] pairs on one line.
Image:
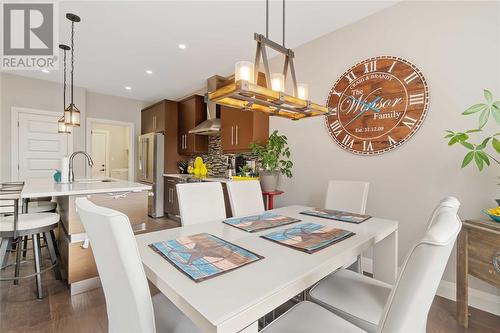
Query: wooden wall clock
[[378, 104]]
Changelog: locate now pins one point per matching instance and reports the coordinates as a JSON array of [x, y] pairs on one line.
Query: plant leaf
[[448, 136], [474, 130], [483, 118], [483, 144], [488, 95], [467, 159], [453, 140], [475, 108], [467, 145], [484, 157], [479, 161], [495, 111], [496, 144]]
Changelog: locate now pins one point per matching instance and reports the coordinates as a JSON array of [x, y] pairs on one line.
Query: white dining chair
[[349, 196], [245, 197], [356, 303], [200, 202], [345, 195], [129, 304]]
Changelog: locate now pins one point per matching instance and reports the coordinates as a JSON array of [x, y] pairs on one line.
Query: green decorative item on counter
[[478, 152], [275, 159]]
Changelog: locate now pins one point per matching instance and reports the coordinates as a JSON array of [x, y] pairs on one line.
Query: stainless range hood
[[211, 126]]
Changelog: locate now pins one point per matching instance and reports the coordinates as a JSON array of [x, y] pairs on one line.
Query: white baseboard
[[477, 298]]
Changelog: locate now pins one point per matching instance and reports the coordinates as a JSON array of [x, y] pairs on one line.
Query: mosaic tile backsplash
[[216, 160]]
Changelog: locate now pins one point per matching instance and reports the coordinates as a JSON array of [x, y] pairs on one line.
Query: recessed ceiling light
[[45, 71], [148, 71], [128, 88], [182, 46]]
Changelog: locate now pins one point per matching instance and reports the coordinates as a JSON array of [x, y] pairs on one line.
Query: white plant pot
[[269, 180]]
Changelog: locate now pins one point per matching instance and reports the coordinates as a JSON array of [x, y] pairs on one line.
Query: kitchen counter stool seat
[[34, 226], [33, 207]]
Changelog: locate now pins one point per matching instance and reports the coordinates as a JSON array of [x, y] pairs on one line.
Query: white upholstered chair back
[[128, 300], [349, 196], [200, 202], [411, 298], [245, 197]]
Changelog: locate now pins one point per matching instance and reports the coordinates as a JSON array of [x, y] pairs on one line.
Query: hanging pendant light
[[61, 126], [71, 113], [244, 93]]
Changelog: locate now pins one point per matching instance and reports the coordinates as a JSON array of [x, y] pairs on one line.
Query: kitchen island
[[77, 262]]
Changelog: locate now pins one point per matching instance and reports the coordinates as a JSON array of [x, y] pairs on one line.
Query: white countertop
[[207, 179], [49, 188]]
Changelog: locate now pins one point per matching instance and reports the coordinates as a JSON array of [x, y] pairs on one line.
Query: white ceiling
[[116, 41]]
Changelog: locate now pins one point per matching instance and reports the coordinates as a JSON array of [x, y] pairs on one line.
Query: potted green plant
[[487, 150], [274, 159], [246, 170]]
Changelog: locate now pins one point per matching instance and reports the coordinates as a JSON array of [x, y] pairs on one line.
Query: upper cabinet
[[240, 128], [192, 112], [153, 118], [163, 117]]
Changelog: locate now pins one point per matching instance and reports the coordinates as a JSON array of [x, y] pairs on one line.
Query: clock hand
[[363, 111], [370, 106]]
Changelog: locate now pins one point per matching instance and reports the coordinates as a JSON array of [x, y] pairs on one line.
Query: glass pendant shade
[[62, 127], [278, 82], [72, 116], [303, 91], [244, 70]]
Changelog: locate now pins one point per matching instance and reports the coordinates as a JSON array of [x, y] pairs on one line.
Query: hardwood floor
[[20, 311]]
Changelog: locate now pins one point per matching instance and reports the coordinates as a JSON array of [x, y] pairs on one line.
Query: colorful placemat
[[260, 222], [203, 256], [336, 215], [309, 237]]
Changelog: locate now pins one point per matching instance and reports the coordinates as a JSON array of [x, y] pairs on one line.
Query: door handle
[[232, 135], [154, 122], [237, 134]]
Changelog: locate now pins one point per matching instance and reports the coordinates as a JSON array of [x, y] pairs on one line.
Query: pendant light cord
[[72, 57], [267, 18], [64, 91], [283, 23]]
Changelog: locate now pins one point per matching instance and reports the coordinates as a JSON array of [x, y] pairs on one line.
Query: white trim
[[14, 136], [84, 285], [131, 145], [477, 299], [108, 165]]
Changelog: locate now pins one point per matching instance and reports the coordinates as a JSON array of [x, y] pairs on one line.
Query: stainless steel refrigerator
[[150, 154]]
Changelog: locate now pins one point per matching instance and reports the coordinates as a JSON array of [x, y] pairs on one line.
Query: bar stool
[[15, 226]]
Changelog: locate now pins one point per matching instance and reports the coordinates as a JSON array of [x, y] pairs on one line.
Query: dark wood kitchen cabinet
[[240, 128], [192, 112], [171, 203], [162, 117]]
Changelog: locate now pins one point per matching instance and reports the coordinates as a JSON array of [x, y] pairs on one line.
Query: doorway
[[111, 145]]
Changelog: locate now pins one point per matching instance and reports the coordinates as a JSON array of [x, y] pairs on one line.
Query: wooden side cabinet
[[478, 254], [192, 112]]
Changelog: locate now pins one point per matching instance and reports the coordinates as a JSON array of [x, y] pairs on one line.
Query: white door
[[40, 146], [100, 154]]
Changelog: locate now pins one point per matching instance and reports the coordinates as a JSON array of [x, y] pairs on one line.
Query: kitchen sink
[[92, 181]]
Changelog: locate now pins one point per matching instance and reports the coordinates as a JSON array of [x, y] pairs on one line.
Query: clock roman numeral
[[351, 77], [410, 77], [348, 141], [336, 128], [410, 122], [417, 99], [336, 93], [367, 146], [392, 66], [370, 66], [392, 142]]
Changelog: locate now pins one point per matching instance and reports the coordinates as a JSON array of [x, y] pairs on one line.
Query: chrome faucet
[[72, 157]]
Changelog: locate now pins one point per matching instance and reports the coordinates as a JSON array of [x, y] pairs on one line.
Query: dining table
[[236, 300]]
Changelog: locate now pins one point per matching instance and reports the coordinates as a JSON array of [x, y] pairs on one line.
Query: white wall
[[456, 46], [118, 144], [27, 92]]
